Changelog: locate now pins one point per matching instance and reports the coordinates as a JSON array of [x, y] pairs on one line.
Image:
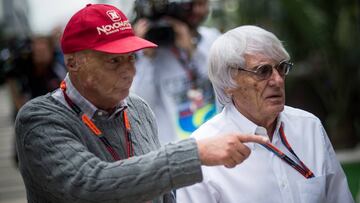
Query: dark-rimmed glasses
[[264, 71]]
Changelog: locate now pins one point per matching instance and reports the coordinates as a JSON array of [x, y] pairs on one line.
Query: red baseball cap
[[102, 28]]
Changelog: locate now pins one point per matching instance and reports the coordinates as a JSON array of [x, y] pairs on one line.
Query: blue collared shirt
[[86, 106]]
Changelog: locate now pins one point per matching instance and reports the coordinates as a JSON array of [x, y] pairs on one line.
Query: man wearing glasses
[[248, 66]]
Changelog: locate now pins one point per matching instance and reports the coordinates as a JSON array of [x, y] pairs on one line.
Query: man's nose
[[276, 77], [129, 70]]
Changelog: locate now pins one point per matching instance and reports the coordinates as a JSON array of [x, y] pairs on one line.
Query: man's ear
[[229, 91], [71, 63]]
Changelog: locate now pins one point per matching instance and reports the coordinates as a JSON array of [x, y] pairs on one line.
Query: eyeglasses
[[264, 71]]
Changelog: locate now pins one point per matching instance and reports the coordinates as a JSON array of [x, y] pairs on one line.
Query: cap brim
[[125, 45]]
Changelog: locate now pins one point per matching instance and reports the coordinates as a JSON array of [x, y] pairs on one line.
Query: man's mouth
[[274, 96]]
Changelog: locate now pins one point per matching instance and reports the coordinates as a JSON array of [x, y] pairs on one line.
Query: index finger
[[253, 138]]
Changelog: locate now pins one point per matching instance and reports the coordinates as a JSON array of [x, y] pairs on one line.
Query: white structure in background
[[13, 18], [23, 17], [47, 14]]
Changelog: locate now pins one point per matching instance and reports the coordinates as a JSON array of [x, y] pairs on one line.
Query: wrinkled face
[[106, 78], [259, 100], [199, 12]]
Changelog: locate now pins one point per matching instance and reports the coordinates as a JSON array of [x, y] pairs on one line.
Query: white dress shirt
[[264, 177]]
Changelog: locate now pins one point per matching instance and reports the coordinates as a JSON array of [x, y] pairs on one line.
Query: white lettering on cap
[[112, 28]]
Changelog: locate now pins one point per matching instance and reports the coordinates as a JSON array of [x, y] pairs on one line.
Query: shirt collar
[[246, 126], [87, 107], [239, 120]]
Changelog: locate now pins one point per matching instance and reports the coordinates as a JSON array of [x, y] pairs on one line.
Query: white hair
[[229, 50]]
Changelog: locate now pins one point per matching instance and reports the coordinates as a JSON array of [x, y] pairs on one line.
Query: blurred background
[[322, 36]]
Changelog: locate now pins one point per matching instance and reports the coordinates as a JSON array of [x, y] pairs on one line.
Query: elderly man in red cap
[[90, 141]]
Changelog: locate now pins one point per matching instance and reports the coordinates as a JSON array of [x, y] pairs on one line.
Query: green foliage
[[353, 176]]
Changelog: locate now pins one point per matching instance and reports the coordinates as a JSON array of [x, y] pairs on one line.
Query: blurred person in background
[[248, 66], [92, 141], [173, 78], [56, 36], [33, 71]]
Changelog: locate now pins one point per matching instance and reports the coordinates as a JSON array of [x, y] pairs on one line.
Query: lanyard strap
[[302, 168], [91, 125]]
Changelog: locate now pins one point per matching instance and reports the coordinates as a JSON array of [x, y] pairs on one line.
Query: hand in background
[[183, 37], [141, 27]]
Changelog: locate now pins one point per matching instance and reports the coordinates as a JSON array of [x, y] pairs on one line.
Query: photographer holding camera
[[173, 78]]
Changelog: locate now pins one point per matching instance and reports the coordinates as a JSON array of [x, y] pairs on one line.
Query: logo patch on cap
[[118, 24], [113, 15]]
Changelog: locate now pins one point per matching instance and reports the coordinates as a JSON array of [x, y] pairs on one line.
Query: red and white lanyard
[[88, 122], [302, 168]]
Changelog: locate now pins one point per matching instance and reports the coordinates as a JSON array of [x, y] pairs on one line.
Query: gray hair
[[229, 50]]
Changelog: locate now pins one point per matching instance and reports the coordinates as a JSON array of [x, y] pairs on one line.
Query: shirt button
[[100, 113]]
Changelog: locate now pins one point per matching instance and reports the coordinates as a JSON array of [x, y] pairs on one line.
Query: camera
[[160, 31]]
